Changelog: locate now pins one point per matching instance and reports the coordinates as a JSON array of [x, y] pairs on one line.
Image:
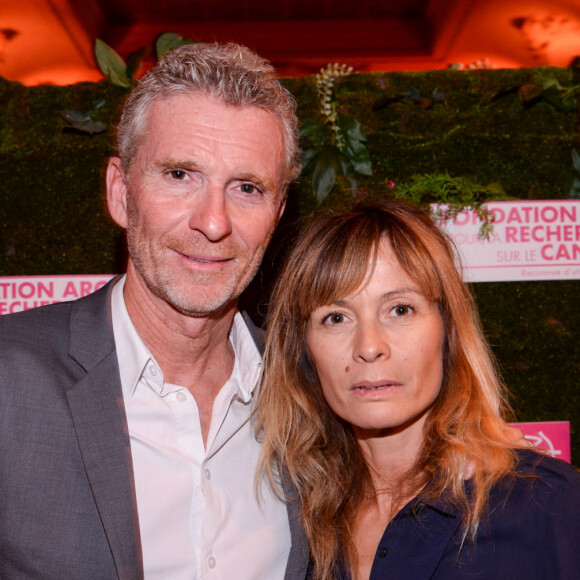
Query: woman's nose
[[371, 343]]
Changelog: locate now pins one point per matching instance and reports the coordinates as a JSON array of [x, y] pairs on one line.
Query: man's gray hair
[[230, 72]]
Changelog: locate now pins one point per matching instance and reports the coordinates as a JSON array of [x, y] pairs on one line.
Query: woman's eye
[[402, 310], [334, 318]]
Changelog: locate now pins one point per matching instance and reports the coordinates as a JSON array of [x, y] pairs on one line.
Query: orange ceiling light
[[42, 42], [520, 33]]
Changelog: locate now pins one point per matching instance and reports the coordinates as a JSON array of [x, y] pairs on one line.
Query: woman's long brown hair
[[314, 451]]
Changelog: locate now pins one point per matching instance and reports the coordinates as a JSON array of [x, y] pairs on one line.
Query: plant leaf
[[352, 128], [323, 180], [574, 192], [315, 132], [358, 156], [134, 62], [576, 160], [412, 94], [307, 156], [354, 148], [554, 97], [547, 81], [495, 191], [73, 117], [170, 41], [438, 96], [326, 166], [82, 122], [530, 93], [111, 64]]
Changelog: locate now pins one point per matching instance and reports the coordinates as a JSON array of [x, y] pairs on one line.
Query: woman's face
[[378, 351]]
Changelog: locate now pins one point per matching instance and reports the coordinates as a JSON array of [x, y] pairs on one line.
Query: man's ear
[[116, 192]]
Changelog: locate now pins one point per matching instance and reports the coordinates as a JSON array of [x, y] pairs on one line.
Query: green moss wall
[[54, 221]]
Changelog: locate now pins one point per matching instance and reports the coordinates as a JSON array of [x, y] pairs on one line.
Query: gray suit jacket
[[67, 497]]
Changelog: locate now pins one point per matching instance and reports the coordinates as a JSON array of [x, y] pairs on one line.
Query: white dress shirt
[[198, 513]]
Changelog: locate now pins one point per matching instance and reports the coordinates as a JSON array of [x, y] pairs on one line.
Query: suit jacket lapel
[[299, 553], [96, 404]]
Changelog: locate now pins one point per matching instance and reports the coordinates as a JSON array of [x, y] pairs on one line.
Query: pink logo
[[551, 436]]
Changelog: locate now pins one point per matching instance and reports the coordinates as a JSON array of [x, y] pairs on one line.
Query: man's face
[[202, 199]]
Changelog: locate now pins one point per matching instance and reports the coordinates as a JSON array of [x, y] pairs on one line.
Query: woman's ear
[[116, 192]]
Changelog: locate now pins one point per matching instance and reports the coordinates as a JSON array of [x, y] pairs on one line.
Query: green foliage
[[411, 96], [544, 86], [334, 149], [329, 164], [353, 145], [112, 65], [85, 122], [123, 74], [454, 193], [169, 41]]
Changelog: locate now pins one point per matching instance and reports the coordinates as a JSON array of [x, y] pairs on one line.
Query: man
[[126, 448]]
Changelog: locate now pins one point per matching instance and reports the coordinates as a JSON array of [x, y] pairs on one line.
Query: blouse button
[[382, 552]]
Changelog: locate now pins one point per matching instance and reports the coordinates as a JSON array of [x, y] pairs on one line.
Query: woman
[[382, 411]]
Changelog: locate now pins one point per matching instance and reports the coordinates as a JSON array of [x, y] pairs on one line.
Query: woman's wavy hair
[[309, 454], [230, 72]]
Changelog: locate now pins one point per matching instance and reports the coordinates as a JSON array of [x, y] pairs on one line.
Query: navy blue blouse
[[531, 530]]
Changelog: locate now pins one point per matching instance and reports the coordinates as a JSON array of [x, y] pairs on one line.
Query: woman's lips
[[375, 385]]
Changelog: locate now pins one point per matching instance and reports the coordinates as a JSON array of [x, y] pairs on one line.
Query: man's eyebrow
[[173, 163]]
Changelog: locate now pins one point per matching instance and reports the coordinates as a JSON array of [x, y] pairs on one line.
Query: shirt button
[[211, 562], [181, 397], [207, 473], [382, 552], [153, 371]]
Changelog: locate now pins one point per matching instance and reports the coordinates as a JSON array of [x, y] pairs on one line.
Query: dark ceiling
[[171, 11], [298, 36], [52, 41]]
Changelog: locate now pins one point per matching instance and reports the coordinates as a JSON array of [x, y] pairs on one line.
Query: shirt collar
[[136, 362], [247, 362], [442, 504]]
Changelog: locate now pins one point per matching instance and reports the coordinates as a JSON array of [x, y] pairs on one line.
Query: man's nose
[[371, 342], [210, 215]]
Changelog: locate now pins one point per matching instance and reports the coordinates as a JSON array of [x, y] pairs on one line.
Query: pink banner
[[551, 436], [18, 293], [530, 240]]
